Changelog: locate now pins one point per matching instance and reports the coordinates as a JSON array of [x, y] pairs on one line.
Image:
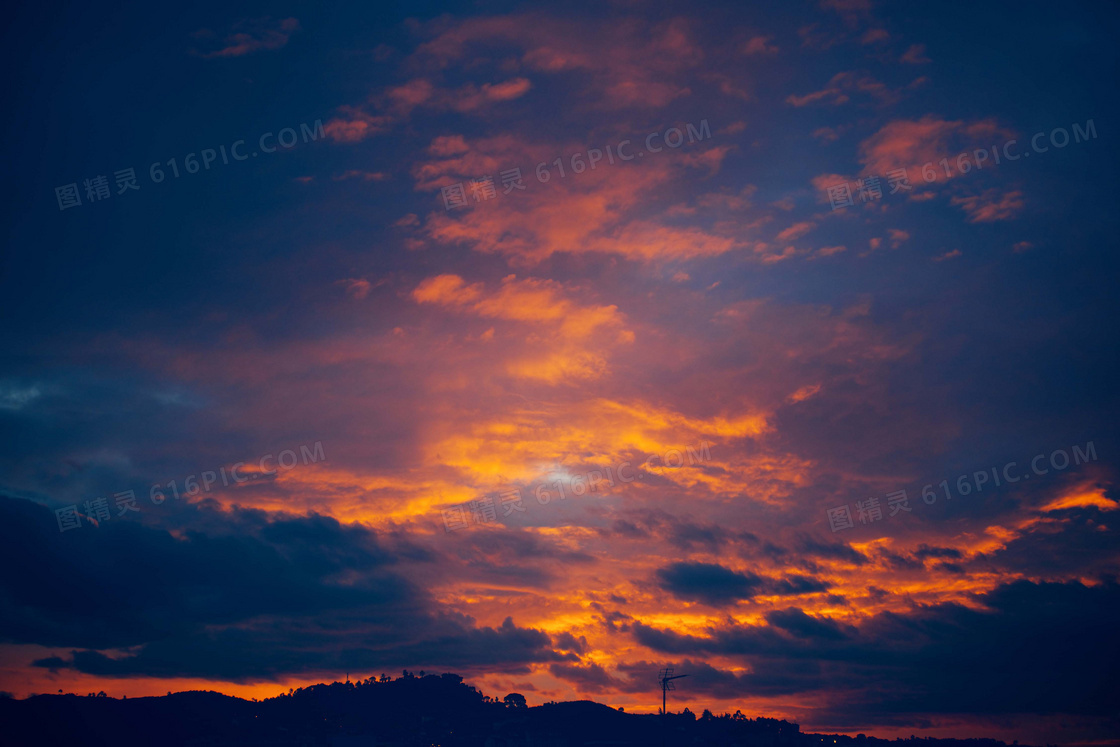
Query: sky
[[554, 344]]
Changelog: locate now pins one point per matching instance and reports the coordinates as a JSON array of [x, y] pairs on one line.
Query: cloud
[[919, 661], [450, 290], [1073, 532], [847, 6], [247, 37], [591, 678], [537, 303], [909, 144], [708, 583], [469, 98], [596, 211], [262, 652], [366, 176], [97, 598], [528, 300], [915, 55], [16, 397], [718, 586], [400, 101], [353, 125], [826, 134], [357, 288], [991, 205], [630, 63], [759, 45], [841, 87], [875, 36], [626, 64], [262, 597], [796, 231], [804, 626]]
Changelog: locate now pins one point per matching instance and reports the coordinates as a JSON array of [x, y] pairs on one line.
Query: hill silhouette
[[408, 711]]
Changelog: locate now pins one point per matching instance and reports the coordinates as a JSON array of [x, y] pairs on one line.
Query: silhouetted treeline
[[409, 711]]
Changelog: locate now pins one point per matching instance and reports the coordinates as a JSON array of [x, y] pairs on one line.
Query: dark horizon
[[386, 710]]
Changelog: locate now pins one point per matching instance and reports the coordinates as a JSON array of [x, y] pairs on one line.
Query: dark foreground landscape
[[433, 710]]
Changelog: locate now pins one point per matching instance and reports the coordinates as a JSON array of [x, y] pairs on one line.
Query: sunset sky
[[727, 352]]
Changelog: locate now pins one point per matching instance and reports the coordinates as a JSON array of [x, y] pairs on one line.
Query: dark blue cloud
[[718, 586], [261, 597], [1012, 653]]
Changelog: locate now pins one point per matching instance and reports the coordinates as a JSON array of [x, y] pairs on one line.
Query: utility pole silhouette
[[666, 677]]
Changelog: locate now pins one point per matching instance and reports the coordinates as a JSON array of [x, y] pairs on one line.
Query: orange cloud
[[570, 327], [596, 211], [759, 45], [1082, 499], [991, 205], [796, 231], [250, 36], [910, 144], [915, 55], [353, 125], [840, 89], [627, 63]]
